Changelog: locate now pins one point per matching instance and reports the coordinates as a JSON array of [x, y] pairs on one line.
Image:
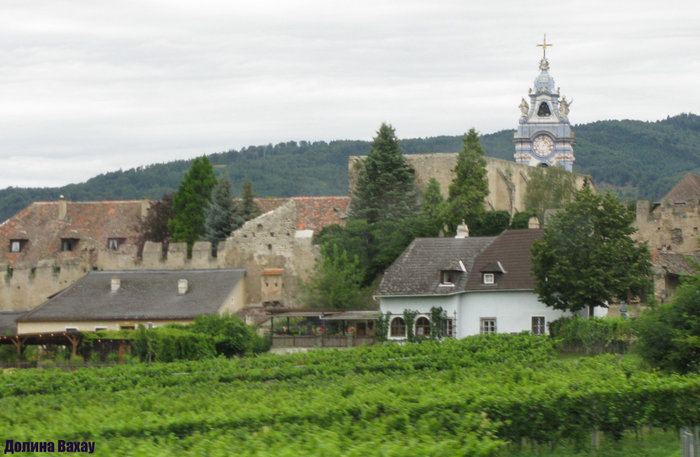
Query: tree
[[469, 186], [336, 281], [385, 188], [433, 209], [249, 209], [587, 258], [549, 188], [190, 202], [669, 335], [154, 227], [222, 216]]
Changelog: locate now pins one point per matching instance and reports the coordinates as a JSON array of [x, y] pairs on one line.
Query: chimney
[[533, 223], [182, 286], [62, 207], [462, 230], [115, 284]]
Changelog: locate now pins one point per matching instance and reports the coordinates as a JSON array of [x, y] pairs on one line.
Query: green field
[[471, 397]]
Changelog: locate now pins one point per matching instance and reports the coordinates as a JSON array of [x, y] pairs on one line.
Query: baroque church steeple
[[544, 136]]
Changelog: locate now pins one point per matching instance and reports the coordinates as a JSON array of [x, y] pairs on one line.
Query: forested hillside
[[638, 159]]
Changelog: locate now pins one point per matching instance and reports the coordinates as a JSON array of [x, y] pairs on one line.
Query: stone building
[[50, 245]]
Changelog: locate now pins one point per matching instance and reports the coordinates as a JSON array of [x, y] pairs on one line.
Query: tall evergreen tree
[[190, 202], [249, 209], [222, 216], [469, 186], [385, 189], [433, 209]]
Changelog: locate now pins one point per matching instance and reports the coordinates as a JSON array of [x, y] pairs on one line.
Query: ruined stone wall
[[668, 226], [507, 180], [272, 241]]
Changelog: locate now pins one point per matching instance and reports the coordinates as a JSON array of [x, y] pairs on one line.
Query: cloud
[[117, 84]]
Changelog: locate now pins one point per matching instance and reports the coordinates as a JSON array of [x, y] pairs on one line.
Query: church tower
[[544, 136]]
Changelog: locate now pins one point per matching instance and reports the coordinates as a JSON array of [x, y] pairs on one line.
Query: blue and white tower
[[544, 136]]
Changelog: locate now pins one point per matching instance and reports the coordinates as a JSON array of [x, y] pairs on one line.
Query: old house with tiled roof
[[484, 285]]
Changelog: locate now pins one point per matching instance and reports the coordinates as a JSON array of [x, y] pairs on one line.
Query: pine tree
[[385, 189], [190, 202], [222, 215], [469, 186], [249, 209], [433, 209]]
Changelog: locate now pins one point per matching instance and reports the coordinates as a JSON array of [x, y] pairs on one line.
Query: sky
[[91, 87]]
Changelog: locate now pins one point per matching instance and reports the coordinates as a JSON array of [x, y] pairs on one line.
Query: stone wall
[[507, 180], [272, 241], [668, 226]]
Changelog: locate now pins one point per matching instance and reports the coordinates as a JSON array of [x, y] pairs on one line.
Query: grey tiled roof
[[8, 322], [512, 250], [417, 270], [149, 294], [677, 263]]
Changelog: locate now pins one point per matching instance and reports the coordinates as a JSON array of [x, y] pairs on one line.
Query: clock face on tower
[[542, 145]]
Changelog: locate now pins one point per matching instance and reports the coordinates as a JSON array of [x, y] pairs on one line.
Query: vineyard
[[470, 397]]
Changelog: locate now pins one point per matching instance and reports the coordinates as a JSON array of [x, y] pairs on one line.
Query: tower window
[[544, 110], [17, 245]]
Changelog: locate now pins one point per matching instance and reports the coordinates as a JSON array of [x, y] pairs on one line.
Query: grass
[[658, 443]]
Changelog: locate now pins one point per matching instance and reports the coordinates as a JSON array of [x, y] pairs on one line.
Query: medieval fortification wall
[[507, 180]]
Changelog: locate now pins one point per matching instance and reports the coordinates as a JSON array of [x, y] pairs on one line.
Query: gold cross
[[544, 46]]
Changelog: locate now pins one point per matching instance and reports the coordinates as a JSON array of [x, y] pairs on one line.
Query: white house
[[484, 284]]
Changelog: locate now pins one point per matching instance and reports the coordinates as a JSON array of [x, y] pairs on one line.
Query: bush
[[594, 335], [166, 344], [669, 335], [231, 336]]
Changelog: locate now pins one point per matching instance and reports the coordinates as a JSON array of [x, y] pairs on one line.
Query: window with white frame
[[489, 278], [422, 326], [398, 327], [16, 245], [447, 277], [538, 325], [488, 325], [448, 327]]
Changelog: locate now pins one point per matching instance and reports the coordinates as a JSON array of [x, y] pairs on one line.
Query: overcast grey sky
[[88, 87]]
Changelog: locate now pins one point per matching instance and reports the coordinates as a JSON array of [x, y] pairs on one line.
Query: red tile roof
[[89, 222], [313, 213]]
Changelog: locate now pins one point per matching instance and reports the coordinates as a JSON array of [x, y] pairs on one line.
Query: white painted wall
[[397, 305], [513, 311]]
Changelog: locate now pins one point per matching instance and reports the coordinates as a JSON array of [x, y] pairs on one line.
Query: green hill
[[637, 159]]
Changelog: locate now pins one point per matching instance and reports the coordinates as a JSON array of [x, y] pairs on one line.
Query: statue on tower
[[524, 107], [564, 105]]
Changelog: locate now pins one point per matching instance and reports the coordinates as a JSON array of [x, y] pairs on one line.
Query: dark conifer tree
[[222, 216]]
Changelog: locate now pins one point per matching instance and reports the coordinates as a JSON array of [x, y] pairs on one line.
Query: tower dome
[[544, 136]]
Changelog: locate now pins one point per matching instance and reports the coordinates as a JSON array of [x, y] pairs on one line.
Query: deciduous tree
[[587, 258], [549, 188]]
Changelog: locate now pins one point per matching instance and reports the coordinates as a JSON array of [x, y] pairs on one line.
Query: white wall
[[397, 305], [513, 311]]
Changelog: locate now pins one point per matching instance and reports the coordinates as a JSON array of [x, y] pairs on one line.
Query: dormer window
[[447, 278], [17, 245], [489, 278], [68, 244]]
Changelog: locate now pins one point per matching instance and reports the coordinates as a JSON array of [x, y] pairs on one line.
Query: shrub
[[166, 344], [231, 336], [669, 335], [594, 335]]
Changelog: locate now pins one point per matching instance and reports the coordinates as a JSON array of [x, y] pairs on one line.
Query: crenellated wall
[[270, 241]]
